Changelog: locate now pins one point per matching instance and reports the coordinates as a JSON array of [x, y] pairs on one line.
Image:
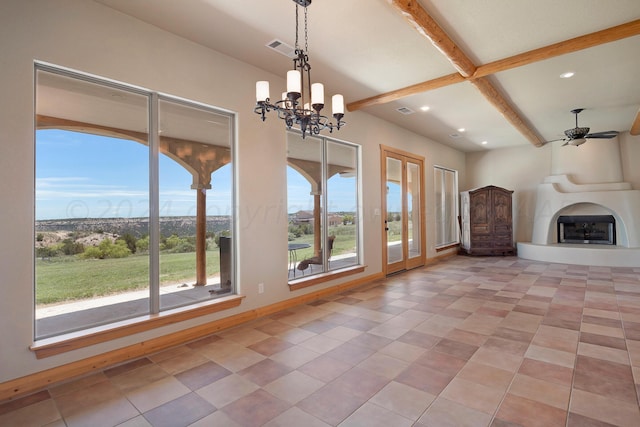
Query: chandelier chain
[[297, 31], [306, 35]]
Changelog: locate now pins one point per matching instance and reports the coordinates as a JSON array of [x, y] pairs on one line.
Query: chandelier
[[303, 101]]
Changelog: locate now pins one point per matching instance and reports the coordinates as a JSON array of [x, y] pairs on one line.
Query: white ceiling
[[362, 48]]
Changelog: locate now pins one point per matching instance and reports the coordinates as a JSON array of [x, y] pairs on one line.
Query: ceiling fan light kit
[[576, 142], [303, 102]]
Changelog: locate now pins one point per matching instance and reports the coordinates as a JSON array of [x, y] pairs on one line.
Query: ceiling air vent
[[405, 110], [455, 136], [282, 48]]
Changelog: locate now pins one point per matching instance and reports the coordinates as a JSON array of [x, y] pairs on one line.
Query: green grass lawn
[[68, 278], [71, 278], [344, 242]]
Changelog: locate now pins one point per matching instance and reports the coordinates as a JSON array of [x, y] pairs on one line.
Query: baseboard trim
[[40, 380]]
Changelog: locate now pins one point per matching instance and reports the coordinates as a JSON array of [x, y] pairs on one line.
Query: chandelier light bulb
[[317, 94], [294, 84], [262, 91], [337, 104]]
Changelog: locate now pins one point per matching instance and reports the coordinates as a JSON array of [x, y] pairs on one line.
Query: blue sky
[[341, 193], [87, 176]]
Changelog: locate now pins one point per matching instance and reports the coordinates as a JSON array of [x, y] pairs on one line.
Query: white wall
[[630, 158], [91, 38], [519, 169]]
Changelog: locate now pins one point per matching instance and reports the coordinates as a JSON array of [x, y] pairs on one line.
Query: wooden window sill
[[305, 282], [444, 248], [74, 340]]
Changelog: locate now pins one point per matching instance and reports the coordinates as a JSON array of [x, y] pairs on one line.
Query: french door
[[403, 210]]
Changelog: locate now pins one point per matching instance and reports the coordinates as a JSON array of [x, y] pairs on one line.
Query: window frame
[[156, 315], [327, 273], [441, 214]]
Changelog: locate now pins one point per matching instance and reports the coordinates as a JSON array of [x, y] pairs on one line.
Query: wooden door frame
[[404, 156]]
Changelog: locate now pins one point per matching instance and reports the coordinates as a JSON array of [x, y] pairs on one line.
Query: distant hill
[[138, 227]]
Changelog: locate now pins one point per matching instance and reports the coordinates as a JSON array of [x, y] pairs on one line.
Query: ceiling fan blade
[[554, 140], [603, 135]]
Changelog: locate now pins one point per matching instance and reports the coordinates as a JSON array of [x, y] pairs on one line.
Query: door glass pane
[[304, 205], [394, 211], [195, 193], [413, 209], [342, 205], [91, 204]]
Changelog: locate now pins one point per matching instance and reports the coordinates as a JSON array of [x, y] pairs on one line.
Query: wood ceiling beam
[[428, 27], [406, 91], [608, 35], [488, 90], [635, 126], [415, 14]]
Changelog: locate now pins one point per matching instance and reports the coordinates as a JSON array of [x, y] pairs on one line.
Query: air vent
[[282, 48], [455, 135], [405, 110]]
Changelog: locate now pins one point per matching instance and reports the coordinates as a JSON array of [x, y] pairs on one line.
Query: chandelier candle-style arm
[[303, 102]]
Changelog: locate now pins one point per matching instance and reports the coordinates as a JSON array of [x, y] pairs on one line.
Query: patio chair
[[308, 262]]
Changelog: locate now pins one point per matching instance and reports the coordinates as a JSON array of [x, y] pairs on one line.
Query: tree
[[143, 244], [107, 249], [170, 242], [130, 241], [71, 247], [347, 219], [46, 252]]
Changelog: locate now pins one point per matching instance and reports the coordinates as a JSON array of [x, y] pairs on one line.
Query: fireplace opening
[[590, 229]]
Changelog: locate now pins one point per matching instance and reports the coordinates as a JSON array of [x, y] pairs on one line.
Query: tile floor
[[466, 342]]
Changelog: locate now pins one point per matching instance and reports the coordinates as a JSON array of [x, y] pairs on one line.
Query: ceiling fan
[[578, 135]]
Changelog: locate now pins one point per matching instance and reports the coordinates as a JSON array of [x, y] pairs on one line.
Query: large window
[[446, 206], [322, 205], [134, 196]]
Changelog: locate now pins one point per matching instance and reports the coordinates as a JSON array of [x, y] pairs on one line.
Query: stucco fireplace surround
[[558, 196]]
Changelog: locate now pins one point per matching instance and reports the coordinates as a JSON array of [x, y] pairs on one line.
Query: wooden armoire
[[486, 221]]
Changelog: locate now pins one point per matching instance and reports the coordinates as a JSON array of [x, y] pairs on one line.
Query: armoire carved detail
[[487, 221]]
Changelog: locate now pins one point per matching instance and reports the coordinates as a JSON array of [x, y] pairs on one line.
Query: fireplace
[[587, 229], [586, 224]]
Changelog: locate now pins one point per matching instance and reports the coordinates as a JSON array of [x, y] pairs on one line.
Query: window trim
[[71, 341], [305, 282]]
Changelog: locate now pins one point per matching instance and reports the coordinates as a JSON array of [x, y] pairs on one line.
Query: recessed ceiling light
[[461, 129], [425, 108], [567, 75], [484, 143]]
